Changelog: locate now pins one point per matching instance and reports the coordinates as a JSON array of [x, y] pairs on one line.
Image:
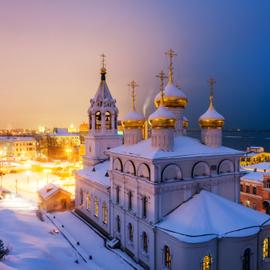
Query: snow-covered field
[[34, 247]]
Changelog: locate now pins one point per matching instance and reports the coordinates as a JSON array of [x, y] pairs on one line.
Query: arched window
[[117, 165], [171, 172], [108, 120], [144, 207], [88, 201], [201, 169], [145, 242], [225, 166], [130, 232], [96, 207], [118, 224], [117, 194], [129, 200], [266, 244], [129, 167], [246, 259], [98, 120], [207, 262], [105, 213], [167, 257], [143, 171]]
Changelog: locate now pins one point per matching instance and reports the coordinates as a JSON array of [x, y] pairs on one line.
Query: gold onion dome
[[185, 122], [173, 96], [162, 117], [133, 119], [211, 118]]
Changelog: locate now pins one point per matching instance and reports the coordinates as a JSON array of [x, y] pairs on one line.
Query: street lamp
[[47, 171]]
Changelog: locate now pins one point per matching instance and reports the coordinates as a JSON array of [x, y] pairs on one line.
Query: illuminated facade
[[172, 200]]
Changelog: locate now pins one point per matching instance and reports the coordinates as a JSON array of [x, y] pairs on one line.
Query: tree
[[3, 250]]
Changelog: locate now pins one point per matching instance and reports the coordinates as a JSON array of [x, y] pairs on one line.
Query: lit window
[[98, 120], [207, 262], [130, 232], [247, 203], [105, 213], [88, 201], [96, 207], [167, 257], [266, 253], [145, 242], [108, 120]]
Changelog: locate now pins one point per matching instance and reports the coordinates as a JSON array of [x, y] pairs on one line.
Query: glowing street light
[[47, 171]]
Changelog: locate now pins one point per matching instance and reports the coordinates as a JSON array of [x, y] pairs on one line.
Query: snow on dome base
[[173, 97], [211, 118], [162, 118]]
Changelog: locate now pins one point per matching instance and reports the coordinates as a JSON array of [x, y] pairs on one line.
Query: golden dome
[[133, 120], [185, 122], [162, 118]]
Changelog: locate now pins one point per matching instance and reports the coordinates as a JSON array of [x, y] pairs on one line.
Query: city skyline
[[50, 58]]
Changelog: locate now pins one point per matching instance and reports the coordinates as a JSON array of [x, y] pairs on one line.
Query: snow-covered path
[[33, 247], [93, 244]]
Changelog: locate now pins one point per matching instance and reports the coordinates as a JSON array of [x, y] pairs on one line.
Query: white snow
[[49, 190], [253, 176], [161, 113], [260, 167], [172, 91], [96, 173], [206, 216], [133, 115], [184, 146], [211, 114]]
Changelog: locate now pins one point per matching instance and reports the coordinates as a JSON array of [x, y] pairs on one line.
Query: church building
[[171, 201]]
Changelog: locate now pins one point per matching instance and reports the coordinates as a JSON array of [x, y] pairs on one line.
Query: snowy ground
[[34, 247]]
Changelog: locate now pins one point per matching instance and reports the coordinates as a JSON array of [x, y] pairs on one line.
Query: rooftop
[[96, 173], [184, 146], [207, 216]]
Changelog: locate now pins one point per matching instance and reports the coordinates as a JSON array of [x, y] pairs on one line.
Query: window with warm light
[[167, 257], [96, 207], [98, 120], [266, 253], [88, 201], [105, 213], [108, 120], [207, 262]]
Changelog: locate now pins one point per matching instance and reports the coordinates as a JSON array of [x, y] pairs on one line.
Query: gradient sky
[[50, 57]]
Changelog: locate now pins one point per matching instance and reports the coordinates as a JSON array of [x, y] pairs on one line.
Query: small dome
[[173, 97], [162, 118], [185, 122], [133, 120], [211, 118]]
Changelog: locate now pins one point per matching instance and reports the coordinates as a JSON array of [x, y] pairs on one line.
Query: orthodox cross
[[133, 85], [162, 76], [170, 53]]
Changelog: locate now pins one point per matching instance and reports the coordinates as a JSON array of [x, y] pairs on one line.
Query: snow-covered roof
[[49, 190], [16, 138], [260, 167], [133, 115], [253, 176], [211, 114], [161, 113], [207, 216], [172, 91], [96, 173], [184, 146], [103, 92]]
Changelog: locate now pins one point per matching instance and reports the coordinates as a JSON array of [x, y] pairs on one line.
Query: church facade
[[171, 201]]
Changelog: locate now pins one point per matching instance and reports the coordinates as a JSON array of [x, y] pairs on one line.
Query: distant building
[[54, 198], [255, 187], [16, 147], [254, 155], [63, 145]]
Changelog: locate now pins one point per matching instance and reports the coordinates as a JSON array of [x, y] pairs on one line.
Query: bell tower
[[102, 115]]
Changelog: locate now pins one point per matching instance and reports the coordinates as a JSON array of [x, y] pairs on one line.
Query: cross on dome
[[212, 83], [162, 76], [171, 53], [133, 85]]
